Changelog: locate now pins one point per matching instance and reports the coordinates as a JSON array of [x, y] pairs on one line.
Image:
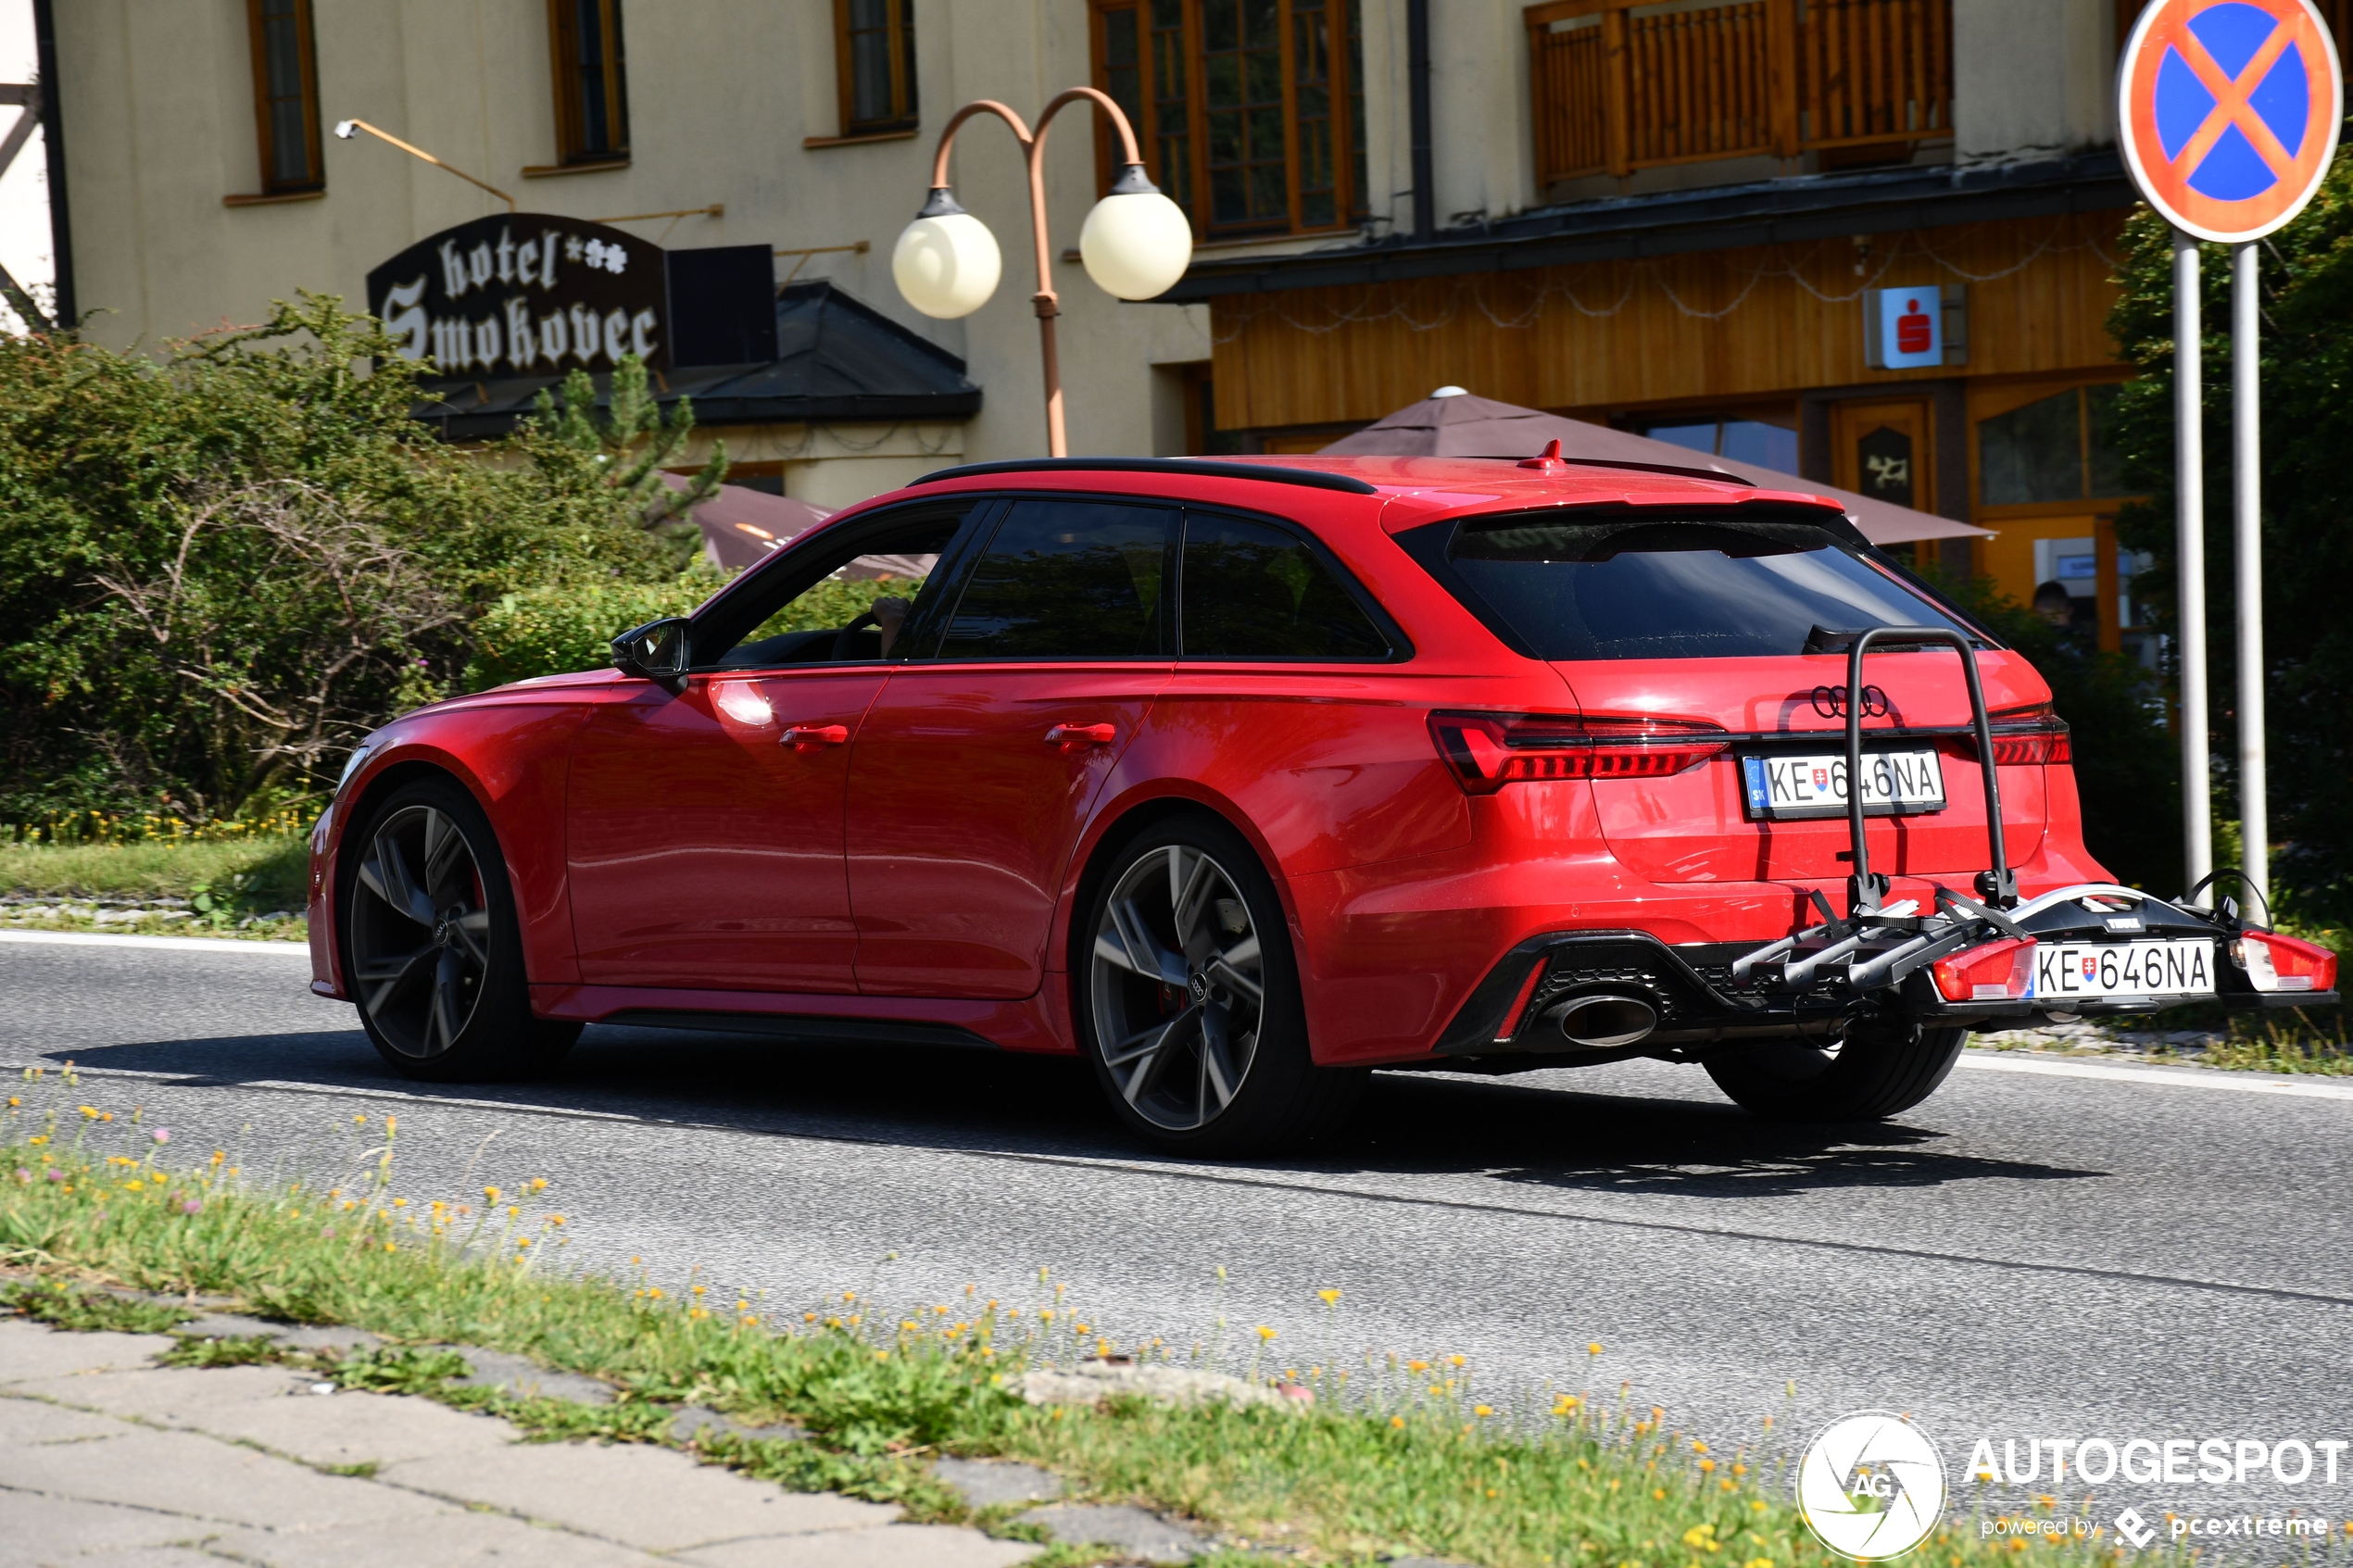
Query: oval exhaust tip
[[1606, 1022]]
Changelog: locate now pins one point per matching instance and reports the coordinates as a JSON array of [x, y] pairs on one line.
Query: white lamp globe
[[1136, 242], [945, 262]]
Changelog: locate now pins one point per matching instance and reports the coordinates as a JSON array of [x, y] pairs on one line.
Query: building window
[[592, 81], [1251, 113], [285, 96], [874, 49], [2057, 450], [1745, 441]]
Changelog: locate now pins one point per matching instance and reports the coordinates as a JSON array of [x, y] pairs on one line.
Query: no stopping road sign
[[2228, 112]]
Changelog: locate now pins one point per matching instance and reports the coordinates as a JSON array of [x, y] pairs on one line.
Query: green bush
[[222, 565], [2127, 764], [2307, 532]]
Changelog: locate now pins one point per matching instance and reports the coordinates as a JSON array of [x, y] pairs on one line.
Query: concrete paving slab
[[656, 1498], [137, 1557], [1134, 1531], [44, 1530], [29, 1349], [206, 1479], [186, 1396], [352, 1427], [526, 1378], [26, 1420], [890, 1545], [294, 1335], [452, 1536], [230, 1326], [986, 1483], [695, 1418], [326, 1336]]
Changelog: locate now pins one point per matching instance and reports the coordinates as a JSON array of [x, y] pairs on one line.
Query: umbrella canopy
[[1454, 424], [741, 526]]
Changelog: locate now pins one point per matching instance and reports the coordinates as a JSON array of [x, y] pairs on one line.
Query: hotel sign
[[525, 294]]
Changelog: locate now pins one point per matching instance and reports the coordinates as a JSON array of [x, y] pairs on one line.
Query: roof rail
[[1268, 473]]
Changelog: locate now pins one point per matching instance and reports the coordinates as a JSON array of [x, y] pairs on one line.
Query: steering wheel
[[842, 638]]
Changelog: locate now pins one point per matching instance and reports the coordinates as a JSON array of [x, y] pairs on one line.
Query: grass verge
[[1395, 1456], [222, 886]]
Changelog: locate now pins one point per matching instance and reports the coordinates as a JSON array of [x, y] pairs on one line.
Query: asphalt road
[[2120, 1255]]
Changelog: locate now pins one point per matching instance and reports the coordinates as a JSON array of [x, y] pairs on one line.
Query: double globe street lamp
[[1134, 243]]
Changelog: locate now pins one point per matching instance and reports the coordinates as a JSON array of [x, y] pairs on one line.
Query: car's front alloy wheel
[[431, 945], [420, 931]]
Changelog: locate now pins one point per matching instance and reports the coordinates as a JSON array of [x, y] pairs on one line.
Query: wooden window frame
[[266, 133], [1993, 402], [900, 28], [572, 126], [1351, 203]]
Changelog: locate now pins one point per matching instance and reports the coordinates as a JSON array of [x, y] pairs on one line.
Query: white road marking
[[183, 944], [2193, 1078]]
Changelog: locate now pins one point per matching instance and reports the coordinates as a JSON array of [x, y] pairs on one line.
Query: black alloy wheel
[[431, 949], [1878, 1070], [1188, 1000]]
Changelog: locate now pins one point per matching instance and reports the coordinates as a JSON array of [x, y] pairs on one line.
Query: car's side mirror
[[656, 650]]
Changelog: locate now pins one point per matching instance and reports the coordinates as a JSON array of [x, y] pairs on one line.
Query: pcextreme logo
[[1870, 1485]]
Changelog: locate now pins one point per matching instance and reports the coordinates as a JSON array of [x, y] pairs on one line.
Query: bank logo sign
[[1870, 1485], [525, 294]]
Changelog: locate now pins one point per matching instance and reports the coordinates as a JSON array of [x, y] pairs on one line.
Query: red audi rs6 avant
[[1240, 778]]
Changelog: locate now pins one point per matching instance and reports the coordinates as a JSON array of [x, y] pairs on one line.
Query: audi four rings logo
[[1830, 702], [1870, 1485]]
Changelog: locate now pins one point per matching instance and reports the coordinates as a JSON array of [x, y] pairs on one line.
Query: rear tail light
[[2283, 963], [2025, 737], [1489, 750], [1999, 971]]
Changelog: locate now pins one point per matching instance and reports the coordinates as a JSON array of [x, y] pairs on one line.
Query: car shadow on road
[[1534, 1133], [1574, 1139]]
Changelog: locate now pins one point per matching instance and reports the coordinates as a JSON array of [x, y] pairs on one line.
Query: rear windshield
[[1646, 589]]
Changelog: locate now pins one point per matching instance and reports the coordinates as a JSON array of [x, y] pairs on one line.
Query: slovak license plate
[[1894, 783], [2124, 969]]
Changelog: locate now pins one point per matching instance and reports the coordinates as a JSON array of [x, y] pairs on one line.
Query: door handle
[[1071, 737], [807, 738]]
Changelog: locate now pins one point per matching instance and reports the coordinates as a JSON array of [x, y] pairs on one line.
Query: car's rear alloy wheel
[[1180, 988], [1191, 1002], [434, 957], [1879, 1069]]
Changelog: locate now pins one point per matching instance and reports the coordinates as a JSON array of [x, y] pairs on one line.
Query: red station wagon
[[1242, 778]]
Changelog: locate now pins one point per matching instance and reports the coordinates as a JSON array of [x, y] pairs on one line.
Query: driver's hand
[[890, 614]]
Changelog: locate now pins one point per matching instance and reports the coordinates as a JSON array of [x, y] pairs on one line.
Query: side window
[[1067, 580], [847, 603], [1252, 591]]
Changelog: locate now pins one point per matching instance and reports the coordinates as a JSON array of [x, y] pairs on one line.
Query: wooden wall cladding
[[1725, 323]]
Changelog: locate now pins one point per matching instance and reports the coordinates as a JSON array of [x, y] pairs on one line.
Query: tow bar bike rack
[[1872, 958]]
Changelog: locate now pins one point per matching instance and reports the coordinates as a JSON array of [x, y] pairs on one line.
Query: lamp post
[[1134, 243]]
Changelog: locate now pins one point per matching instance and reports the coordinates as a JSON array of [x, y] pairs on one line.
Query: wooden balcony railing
[[1627, 85]]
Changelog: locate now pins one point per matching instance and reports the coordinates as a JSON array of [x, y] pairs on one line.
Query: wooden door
[[1885, 450]]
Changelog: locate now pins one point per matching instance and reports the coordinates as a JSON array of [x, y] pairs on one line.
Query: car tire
[[431, 946], [1182, 923], [1876, 1072]]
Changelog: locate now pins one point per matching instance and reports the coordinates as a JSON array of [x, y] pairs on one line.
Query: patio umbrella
[[1454, 424]]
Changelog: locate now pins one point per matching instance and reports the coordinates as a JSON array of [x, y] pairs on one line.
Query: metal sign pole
[[2189, 508], [2247, 487], [2185, 147]]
